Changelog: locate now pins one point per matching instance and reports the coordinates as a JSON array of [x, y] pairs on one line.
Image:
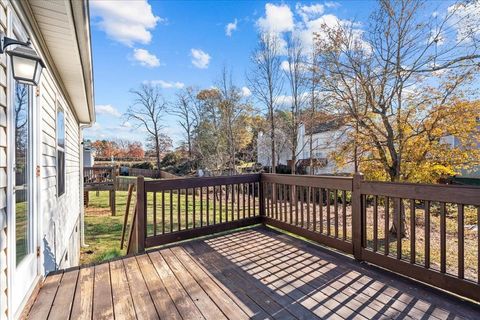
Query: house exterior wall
[[324, 143], [3, 171], [264, 151], [58, 217]]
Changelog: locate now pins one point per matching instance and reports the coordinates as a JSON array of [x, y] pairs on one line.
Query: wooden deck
[[255, 273]]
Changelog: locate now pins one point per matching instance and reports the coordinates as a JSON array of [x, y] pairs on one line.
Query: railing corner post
[[357, 221], [141, 215]]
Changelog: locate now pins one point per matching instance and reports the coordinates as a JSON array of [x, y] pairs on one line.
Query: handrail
[[363, 218]]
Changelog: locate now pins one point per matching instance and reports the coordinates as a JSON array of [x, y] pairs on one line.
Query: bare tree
[[388, 79], [295, 75], [265, 80], [186, 110], [146, 112], [233, 109]]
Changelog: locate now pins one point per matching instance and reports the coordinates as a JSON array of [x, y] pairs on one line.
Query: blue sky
[[184, 43]]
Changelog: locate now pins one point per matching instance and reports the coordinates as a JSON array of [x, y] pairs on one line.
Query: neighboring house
[[88, 156], [325, 136], [40, 145], [264, 151], [471, 173]]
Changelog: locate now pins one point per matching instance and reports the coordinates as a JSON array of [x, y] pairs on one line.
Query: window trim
[[58, 149]]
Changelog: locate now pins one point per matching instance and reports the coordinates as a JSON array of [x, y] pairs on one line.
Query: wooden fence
[[440, 246]]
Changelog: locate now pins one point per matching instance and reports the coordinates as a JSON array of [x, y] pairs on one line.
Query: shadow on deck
[[255, 273]]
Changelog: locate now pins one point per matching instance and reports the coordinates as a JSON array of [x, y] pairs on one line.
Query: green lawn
[[103, 231]]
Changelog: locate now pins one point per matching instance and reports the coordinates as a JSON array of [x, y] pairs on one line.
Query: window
[[60, 152]]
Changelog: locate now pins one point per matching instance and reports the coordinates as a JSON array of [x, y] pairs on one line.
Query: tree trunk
[[293, 165], [398, 211], [157, 151]]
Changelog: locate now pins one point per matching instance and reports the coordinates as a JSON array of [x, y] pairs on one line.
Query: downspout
[[82, 206]]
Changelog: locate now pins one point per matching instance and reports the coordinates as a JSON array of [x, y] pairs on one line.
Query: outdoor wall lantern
[[27, 66]]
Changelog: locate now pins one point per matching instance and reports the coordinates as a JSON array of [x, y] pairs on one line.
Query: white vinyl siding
[[60, 213], [3, 171]]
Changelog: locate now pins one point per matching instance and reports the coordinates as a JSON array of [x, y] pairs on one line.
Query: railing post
[[357, 220], [261, 197], [141, 215]]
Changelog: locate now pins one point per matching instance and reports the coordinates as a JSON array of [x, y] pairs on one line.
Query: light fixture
[[27, 66]]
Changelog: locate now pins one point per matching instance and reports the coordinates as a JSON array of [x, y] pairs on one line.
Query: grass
[[103, 231]]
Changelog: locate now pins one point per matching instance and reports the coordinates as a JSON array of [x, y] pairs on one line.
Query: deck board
[[102, 293], [250, 274], [124, 308]]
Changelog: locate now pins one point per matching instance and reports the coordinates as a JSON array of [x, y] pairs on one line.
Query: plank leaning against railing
[[348, 214]]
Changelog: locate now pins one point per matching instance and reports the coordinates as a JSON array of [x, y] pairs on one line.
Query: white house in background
[[454, 142], [40, 145], [325, 136]]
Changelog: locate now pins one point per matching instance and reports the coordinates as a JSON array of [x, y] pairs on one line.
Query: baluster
[[461, 241], [412, 231], [387, 226], [344, 215], [427, 234], [154, 213], [335, 208], [163, 212], [443, 237], [328, 212]]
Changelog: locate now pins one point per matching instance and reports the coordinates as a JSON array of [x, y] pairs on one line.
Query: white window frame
[[58, 148]]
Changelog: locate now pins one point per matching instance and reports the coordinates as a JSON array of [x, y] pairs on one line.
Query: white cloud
[[200, 58], [332, 4], [285, 65], [283, 100], [309, 12], [230, 27], [309, 28], [126, 124], [168, 84], [246, 92], [107, 109], [277, 19], [145, 58], [127, 22], [465, 20]]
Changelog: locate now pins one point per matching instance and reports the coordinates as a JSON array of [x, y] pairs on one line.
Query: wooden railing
[[177, 209], [99, 178], [440, 245], [317, 208]]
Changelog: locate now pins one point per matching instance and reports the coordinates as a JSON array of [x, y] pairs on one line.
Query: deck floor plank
[[102, 293], [144, 307], [44, 301], [249, 305], [259, 294], [83, 300], [122, 298], [183, 302], [203, 302], [62, 306], [254, 273], [163, 302], [217, 293]]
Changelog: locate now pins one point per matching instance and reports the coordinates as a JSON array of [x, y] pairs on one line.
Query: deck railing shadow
[[307, 283], [348, 214]]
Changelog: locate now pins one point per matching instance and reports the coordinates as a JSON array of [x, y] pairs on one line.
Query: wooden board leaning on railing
[[440, 246]]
